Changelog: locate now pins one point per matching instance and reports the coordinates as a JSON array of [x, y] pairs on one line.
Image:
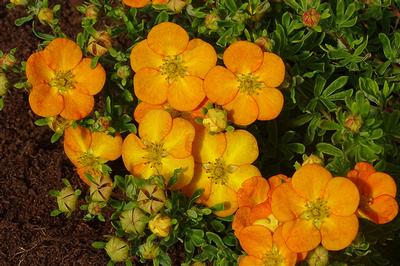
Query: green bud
[[211, 21], [353, 123], [92, 12], [101, 190], [3, 84], [45, 15], [133, 221], [19, 2], [160, 225], [151, 199], [148, 250], [94, 207], [117, 249], [66, 200], [318, 257], [123, 72]]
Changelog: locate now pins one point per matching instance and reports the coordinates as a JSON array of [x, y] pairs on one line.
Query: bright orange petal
[[221, 194], [150, 86], [240, 175], [250, 261], [272, 70], [262, 214], [88, 80], [253, 191], [77, 139], [338, 232], [186, 93], [155, 126], [144, 170], [143, 108], [62, 54], [159, 2], [73, 156], [168, 39], [256, 240], [381, 184], [37, 70], [208, 147], [243, 109], [269, 102], [286, 203], [243, 57], [290, 257], [381, 210], [136, 3], [300, 235], [220, 85], [179, 141], [241, 220], [133, 152], [277, 180], [199, 58], [45, 101], [241, 148], [342, 196], [143, 57], [200, 180], [105, 146], [76, 105], [310, 181], [170, 164]]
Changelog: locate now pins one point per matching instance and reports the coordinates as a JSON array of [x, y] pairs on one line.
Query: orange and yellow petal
[[150, 86], [256, 240], [269, 102], [37, 70], [253, 191], [82, 171], [45, 101], [262, 214], [242, 110], [136, 3], [337, 232], [199, 58], [77, 139], [220, 85], [300, 235], [381, 210], [76, 105], [241, 220], [168, 39], [105, 146], [381, 184], [250, 261], [143, 108], [200, 180], [170, 164], [222, 194], [272, 70], [179, 141], [243, 57], [289, 256], [241, 148], [89, 80], [286, 204], [240, 175], [155, 126], [310, 181], [185, 94], [143, 57], [143, 170], [133, 152], [62, 54], [277, 180], [208, 147], [342, 196], [159, 2]]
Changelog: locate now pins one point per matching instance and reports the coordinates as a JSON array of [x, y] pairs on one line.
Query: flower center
[[89, 160], [365, 201], [155, 152], [316, 211], [63, 81], [173, 68], [218, 171], [248, 83], [273, 258]]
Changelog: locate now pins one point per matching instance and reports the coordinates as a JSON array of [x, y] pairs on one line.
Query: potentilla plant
[[200, 102]]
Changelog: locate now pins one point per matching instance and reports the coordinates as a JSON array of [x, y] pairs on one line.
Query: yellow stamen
[[63, 81], [218, 171], [249, 84], [316, 211], [155, 153], [173, 68], [273, 258]]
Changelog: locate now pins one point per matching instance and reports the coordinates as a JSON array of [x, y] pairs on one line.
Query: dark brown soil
[[30, 166]]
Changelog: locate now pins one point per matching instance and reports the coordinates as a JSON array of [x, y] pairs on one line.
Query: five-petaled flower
[[316, 208], [165, 144], [247, 86], [62, 82], [377, 193], [143, 3], [170, 68]]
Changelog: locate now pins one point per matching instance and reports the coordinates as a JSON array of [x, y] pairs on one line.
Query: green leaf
[[94, 61], [42, 122], [56, 136], [387, 47], [20, 21], [98, 244], [213, 237], [329, 149], [55, 213], [335, 85]]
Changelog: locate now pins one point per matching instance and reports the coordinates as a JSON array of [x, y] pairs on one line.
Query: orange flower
[[223, 163], [89, 151], [316, 208], [171, 68], [62, 82], [143, 3], [264, 249], [247, 86], [165, 144], [377, 191]]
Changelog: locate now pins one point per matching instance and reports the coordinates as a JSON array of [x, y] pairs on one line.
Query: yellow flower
[[160, 225]]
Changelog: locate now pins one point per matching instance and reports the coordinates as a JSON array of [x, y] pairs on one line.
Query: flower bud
[[311, 18], [148, 250], [198, 263], [318, 257], [264, 43], [151, 199], [99, 44], [160, 225], [313, 159], [7, 61], [353, 123], [58, 123], [215, 120], [176, 5], [123, 72], [211, 21], [66, 200], [133, 221], [45, 15], [19, 2], [117, 249], [3, 84], [91, 12], [95, 207], [101, 189]]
